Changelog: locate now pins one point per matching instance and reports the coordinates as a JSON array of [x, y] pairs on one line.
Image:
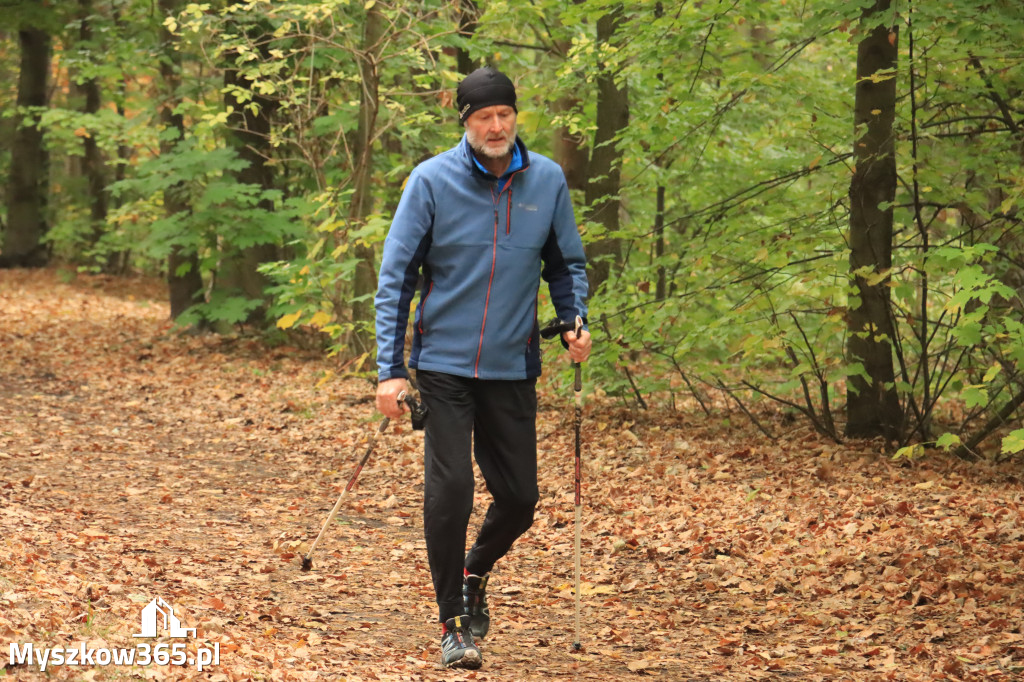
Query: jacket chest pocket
[[530, 225]]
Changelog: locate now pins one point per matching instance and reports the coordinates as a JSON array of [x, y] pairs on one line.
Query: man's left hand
[[579, 346]]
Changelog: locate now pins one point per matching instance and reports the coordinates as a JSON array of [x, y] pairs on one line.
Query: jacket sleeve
[[404, 249], [565, 264]]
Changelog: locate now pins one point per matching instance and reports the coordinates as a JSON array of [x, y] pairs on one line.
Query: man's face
[[492, 130]]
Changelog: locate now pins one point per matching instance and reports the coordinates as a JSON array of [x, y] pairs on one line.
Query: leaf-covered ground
[[137, 464]]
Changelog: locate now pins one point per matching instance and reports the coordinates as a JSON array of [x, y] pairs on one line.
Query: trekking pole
[[553, 329], [577, 422], [418, 412]]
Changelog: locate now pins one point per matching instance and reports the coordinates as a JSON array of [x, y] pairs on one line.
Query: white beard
[[479, 146]]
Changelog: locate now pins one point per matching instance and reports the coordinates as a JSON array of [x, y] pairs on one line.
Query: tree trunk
[[570, 151], [659, 205], [184, 281], [250, 127], [28, 181], [602, 193], [361, 340], [873, 407], [93, 166], [469, 15], [119, 261]]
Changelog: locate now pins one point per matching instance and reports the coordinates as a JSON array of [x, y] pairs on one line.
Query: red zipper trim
[[423, 306], [529, 340], [487, 301], [508, 209], [508, 205]]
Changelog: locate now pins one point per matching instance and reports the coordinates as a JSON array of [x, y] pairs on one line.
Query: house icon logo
[[151, 619]]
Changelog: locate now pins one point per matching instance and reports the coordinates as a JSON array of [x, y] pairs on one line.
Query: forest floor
[[140, 464]]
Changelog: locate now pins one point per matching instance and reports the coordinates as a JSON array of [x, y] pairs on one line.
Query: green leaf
[[1013, 442], [974, 396]]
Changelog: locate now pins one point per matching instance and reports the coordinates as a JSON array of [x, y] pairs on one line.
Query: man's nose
[[495, 124]]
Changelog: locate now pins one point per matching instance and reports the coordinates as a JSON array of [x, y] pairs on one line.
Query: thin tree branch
[[966, 451], [754, 420]]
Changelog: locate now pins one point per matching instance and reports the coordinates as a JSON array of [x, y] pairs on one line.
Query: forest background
[[812, 206]]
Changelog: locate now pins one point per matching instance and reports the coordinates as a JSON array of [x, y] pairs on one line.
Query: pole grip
[[578, 383]]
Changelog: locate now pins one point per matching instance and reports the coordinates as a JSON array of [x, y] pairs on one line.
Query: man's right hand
[[387, 397]]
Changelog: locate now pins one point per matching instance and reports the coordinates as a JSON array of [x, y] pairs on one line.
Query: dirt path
[[138, 464]]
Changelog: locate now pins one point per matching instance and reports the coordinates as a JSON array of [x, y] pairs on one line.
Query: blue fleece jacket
[[482, 244]]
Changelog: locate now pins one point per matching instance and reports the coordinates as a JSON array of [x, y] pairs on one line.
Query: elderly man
[[482, 223]]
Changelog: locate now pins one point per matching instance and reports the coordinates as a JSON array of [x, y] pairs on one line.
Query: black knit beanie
[[483, 88]]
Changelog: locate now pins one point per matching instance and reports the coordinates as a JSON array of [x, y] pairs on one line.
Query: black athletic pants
[[497, 420]]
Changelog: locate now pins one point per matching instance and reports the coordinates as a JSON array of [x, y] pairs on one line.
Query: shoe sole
[[471, 660]]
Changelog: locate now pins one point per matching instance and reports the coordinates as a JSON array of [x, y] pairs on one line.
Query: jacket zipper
[[494, 259]]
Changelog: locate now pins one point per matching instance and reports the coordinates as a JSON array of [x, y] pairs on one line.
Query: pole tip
[[307, 563], [576, 646]]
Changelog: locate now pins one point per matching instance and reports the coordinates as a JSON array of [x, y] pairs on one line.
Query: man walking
[[482, 223]]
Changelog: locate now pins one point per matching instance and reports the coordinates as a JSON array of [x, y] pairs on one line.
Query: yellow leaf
[[876, 278], [992, 372], [288, 321], [319, 319]]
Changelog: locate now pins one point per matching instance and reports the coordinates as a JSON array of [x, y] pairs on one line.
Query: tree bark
[[602, 192], [362, 340], [873, 407], [28, 180], [93, 166], [250, 123], [469, 15], [660, 287], [184, 281], [570, 150]]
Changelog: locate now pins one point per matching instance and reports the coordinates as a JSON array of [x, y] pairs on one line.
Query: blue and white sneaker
[[457, 648]]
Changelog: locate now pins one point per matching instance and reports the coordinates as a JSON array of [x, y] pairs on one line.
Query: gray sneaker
[[457, 648]]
